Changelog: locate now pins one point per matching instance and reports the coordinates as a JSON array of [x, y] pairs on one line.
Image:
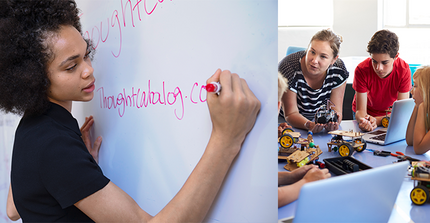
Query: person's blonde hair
[[282, 85], [422, 76]]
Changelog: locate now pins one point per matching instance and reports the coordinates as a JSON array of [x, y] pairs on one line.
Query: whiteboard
[[153, 57], [8, 124]]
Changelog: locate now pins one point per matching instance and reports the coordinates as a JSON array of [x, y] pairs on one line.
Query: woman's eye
[[71, 68]]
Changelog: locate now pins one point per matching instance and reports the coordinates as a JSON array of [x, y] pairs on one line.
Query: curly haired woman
[[45, 64]]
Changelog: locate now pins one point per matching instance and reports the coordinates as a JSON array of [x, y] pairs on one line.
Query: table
[[404, 210]]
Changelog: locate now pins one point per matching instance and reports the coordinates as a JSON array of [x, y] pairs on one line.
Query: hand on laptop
[[368, 123]]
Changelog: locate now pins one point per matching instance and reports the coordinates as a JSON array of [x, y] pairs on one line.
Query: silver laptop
[[396, 130], [365, 196]]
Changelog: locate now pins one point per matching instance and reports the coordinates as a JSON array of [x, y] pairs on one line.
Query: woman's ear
[[334, 60]]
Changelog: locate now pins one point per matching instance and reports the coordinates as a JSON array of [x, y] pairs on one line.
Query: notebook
[[365, 196], [396, 130]]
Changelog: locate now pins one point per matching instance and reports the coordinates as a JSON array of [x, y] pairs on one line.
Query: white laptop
[[396, 130], [365, 196]]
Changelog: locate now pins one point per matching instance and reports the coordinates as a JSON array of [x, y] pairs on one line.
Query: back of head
[[282, 85], [422, 75], [25, 27], [384, 41], [332, 38]]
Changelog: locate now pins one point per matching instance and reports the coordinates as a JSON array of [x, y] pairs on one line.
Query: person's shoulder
[[41, 128], [401, 64], [365, 63], [364, 66], [339, 65], [293, 58], [401, 67], [290, 65]]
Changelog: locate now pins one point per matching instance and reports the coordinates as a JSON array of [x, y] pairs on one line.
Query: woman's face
[[382, 64], [70, 72], [417, 92], [319, 57]]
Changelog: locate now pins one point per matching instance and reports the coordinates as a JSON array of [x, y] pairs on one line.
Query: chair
[[413, 68], [293, 49], [347, 102]]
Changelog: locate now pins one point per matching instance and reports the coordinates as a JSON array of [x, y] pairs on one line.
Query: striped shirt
[[308, 99]]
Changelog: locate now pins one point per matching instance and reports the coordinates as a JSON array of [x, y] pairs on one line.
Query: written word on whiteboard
[[114, 22], [140, 98]]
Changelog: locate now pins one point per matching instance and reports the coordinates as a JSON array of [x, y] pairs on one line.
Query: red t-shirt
[[381, 93]]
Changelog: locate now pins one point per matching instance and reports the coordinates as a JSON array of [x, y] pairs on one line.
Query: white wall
[[355, 20]]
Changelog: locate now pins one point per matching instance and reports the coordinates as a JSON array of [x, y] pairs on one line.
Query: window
[[406, 13], [410, 20]]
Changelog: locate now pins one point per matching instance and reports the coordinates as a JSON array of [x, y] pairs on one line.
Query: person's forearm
[[379, 120], [421, 136], [411, 127], [193, 201], [360, 114], [11, 211], [290, 193], [422, 145], [297, 120], [283, 178]]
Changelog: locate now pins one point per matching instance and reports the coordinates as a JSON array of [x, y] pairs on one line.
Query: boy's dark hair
[[24, 53], [384, 41]]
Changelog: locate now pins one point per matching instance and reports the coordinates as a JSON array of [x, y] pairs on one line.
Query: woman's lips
[[90, 88]]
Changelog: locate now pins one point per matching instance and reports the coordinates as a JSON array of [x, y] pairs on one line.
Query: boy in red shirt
[[379, 80]]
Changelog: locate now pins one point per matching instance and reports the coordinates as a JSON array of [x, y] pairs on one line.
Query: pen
[[213, 87]]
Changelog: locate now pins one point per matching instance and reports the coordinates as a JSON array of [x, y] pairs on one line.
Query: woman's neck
[[65, 104]]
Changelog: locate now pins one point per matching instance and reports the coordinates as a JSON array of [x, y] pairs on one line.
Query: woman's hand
[[85, 130], [233, 112], [282, 127], [315, 128], [331, 126]]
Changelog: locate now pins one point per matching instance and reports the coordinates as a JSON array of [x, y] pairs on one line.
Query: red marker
[[213, 87]]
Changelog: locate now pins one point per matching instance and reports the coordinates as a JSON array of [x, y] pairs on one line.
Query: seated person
[[294, 180], [282, 87], [418, 127], [315, 76], [379, 80]]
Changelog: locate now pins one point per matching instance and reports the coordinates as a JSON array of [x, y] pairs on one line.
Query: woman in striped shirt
[[314, 76]]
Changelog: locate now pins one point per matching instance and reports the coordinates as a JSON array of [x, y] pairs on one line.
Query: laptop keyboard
[[379, 137]]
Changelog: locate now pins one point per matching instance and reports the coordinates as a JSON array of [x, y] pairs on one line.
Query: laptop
[[396, 130], [365, 196]]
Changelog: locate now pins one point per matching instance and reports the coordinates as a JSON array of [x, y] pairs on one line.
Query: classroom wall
[[355, 20]]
